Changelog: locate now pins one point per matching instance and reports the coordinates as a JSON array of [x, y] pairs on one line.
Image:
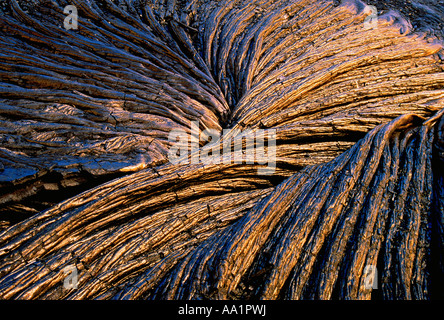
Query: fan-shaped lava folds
[[356, 106]]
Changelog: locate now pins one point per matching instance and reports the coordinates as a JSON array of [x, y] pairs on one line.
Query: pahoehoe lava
[[85, 178]]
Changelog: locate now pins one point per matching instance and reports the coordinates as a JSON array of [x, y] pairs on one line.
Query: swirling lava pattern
[[359, 130]]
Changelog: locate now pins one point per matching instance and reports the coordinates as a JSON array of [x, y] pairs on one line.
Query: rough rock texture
[[359, 128]]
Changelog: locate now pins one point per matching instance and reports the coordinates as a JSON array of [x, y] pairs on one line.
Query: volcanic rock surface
[[86, 178]]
